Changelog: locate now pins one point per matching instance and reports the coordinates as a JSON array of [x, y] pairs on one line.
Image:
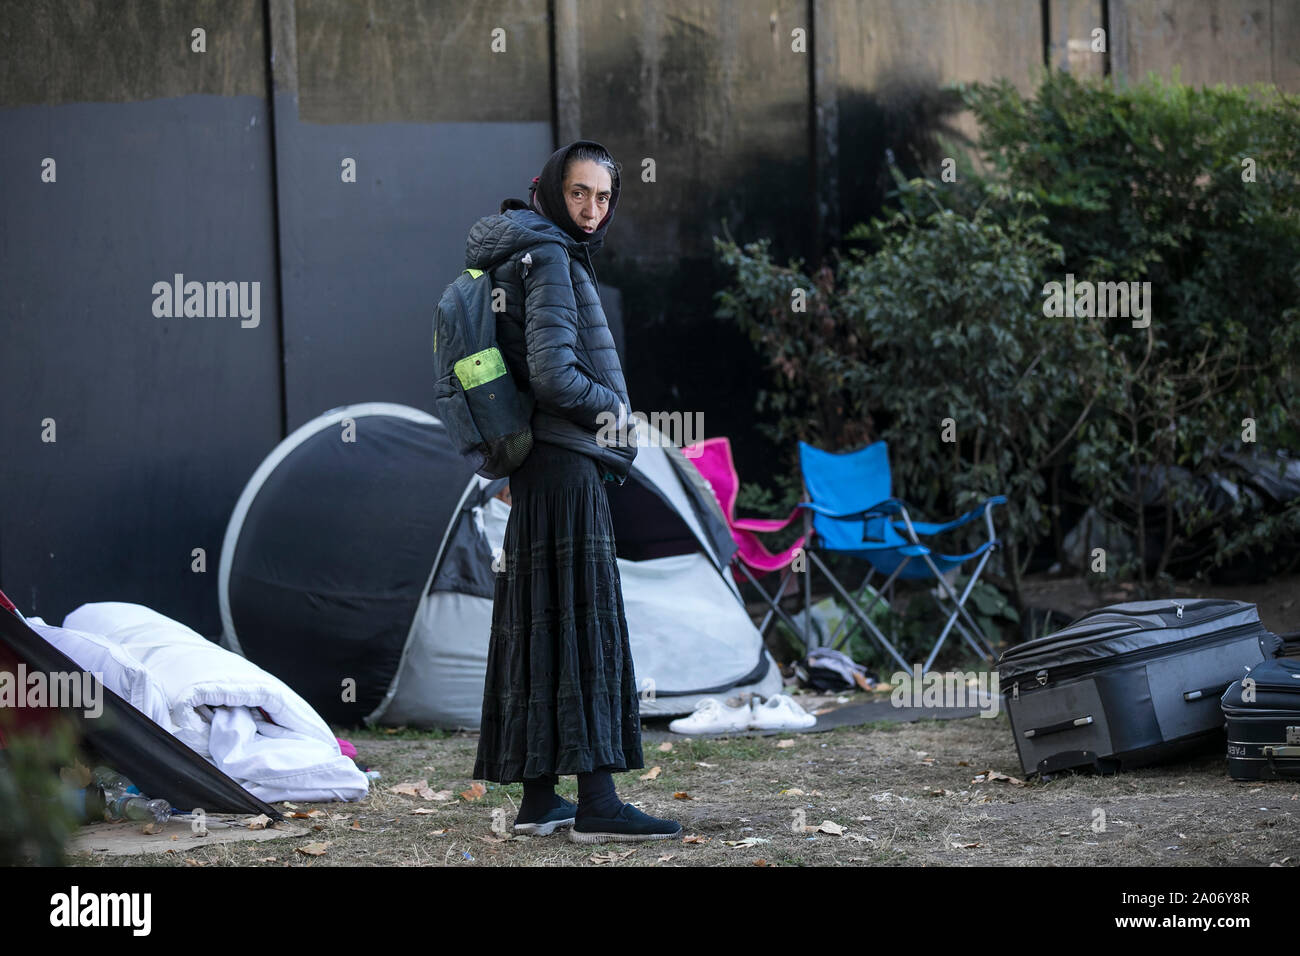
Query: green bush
[[943, 321], [35, 822], [1196, 192], [945, 317]]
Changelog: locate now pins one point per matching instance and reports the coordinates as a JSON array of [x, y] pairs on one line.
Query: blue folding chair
[[851, 510]]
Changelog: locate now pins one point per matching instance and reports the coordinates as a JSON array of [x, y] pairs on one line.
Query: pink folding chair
[[713, 459]]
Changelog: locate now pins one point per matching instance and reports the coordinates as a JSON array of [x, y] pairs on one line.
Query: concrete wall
[[225, 165]]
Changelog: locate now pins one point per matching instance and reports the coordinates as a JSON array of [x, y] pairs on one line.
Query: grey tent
[[357, 567]]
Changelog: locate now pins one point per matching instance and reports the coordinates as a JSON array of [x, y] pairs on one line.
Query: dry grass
[[902, 792]]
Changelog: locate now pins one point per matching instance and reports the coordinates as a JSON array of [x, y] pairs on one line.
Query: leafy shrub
[[1196, 192]]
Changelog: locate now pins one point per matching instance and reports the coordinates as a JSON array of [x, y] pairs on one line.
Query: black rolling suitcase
[[1263, 717], [1129, 684]]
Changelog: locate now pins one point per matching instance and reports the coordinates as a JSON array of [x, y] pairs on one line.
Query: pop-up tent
[[357, 567], [119, 735]]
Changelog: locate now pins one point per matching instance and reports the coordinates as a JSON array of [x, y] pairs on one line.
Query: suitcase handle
[[1271, 752], [1215, 691], [1057, 728]]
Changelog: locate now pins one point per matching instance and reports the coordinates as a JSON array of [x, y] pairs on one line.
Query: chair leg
[[774, 604], [985, 650], [870, 625], [880, 594], [807, 580], [846, 620]]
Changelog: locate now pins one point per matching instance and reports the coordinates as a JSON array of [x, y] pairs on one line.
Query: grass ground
[[903, 794]]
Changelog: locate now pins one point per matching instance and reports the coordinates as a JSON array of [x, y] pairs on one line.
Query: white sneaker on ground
[[712, 716], [780, 712]]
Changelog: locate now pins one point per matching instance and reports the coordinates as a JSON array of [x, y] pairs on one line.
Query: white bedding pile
[[208, 698]]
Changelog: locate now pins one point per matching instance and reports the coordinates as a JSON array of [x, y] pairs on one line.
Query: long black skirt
[[560, 695]]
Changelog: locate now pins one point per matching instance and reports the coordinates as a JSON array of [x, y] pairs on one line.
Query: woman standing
[[560, 695]]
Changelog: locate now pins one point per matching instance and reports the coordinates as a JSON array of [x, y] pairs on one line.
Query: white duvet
[[209, 698]]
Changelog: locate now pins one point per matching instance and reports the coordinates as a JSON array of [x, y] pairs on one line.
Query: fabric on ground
[[209, 701]]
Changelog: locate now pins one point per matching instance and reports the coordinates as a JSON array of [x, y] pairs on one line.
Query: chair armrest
[[880, 509], [764, 524], [928, 528]]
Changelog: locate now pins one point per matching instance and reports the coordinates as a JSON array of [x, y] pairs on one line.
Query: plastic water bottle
[[124, 801]]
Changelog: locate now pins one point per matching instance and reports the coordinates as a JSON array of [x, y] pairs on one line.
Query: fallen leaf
[[748, 841], [151, 828], [442, 832], [312, 849], [442, 795], [787, 742], [291, 806], [992, 776], [695, 839], [794, 792], [258, 822], [267, 859], [475, 792], [174, 837], [652, 773], [828, 826], [356, 825], [665, 858], [682, 795], [665, 747], [612, 857], [701, 763], [417, 788], [966, 846], [941, 793], [760, 862]]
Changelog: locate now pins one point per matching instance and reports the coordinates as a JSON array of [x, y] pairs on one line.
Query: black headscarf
[[546, 195]]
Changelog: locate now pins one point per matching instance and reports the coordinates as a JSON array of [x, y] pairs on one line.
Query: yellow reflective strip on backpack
[[480, 367], [474, 273]]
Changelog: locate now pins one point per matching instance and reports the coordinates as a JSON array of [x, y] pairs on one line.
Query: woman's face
[[586, 193]]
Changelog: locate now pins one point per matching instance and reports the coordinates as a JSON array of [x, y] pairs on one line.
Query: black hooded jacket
[[553, 332]]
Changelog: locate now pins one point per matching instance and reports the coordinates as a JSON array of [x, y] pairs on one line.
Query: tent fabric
[[127, 740], [316, 548], [227, 709], [419, 651]]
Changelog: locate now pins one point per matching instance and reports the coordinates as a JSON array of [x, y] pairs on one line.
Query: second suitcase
[[1129, 684], [1263, 716]]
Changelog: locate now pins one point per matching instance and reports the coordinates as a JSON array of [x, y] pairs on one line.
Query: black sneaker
[[561, 816], [630, 825]]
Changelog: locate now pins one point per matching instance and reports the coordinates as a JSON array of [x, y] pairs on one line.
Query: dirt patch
[[903, 794]]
